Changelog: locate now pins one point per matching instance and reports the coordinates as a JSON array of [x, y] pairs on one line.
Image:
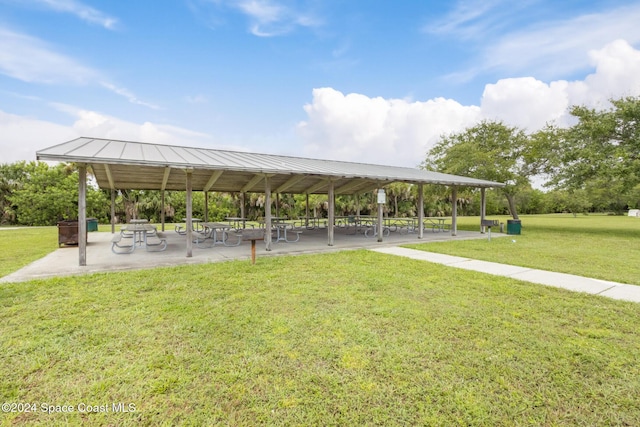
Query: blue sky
[[375, 81]]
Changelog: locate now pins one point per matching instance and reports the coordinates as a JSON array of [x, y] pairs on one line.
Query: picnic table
[[195, 226], [436, 223], [140, 234], [355, 222], [372, 229], [274, 219], [395, 224], [238, 223], [311, 223], [282, 228], [215, 233]]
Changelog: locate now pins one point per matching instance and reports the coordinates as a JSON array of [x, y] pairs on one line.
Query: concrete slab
[[100, 258]]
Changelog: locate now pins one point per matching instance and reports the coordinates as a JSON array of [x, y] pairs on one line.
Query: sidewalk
[[605, 288]]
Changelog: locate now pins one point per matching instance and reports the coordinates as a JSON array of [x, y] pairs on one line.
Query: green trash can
[[92, 224], [514, 226]]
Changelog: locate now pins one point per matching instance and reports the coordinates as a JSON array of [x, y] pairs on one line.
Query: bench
[[298, 233], [162, 242], [237, 235], [372, 231], [215, 237], [115, 243], [440, 227], [436, 224]]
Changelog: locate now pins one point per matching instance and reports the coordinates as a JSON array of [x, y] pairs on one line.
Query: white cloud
[[548, 50], [374, 130], [267, 18], [270, 18], [128, 95], [197, 99], [560, 48], [392, 131], [79, 9], [530, 103], [94, 124], [525, 102], [469, 19], [617, 72], [31, 60], [22, 136]]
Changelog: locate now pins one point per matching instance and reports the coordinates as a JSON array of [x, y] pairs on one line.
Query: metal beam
[[290, 183], [252, 183], [212, 180], [371, 188], [353, 185], [317, 186]]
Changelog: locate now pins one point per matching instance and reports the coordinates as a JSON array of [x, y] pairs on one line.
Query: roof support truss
[[290, 183], [252, 183], [317, 186], [212, 180], [353, 185]]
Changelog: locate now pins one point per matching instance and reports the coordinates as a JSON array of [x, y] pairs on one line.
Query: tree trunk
[[512, 205]]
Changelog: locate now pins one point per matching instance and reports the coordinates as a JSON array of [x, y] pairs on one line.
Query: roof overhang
[[135, 165]]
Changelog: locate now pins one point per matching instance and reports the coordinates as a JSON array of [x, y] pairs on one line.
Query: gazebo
[[124, 165]]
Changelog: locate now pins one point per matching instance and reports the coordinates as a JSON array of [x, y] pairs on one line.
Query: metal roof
[[136, 165]]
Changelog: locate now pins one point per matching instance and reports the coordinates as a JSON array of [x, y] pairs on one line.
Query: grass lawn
[[20, 247], [598, 246], [350, 338]]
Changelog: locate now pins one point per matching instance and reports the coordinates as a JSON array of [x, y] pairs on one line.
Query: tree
[[43, 194], [12, 176], [397, 193], [603, 146], [491, 151]]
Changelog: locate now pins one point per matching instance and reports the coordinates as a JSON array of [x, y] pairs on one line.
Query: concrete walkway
[[571, 282]]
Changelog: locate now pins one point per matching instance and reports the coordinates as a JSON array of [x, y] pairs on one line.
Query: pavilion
[[128, 165]]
